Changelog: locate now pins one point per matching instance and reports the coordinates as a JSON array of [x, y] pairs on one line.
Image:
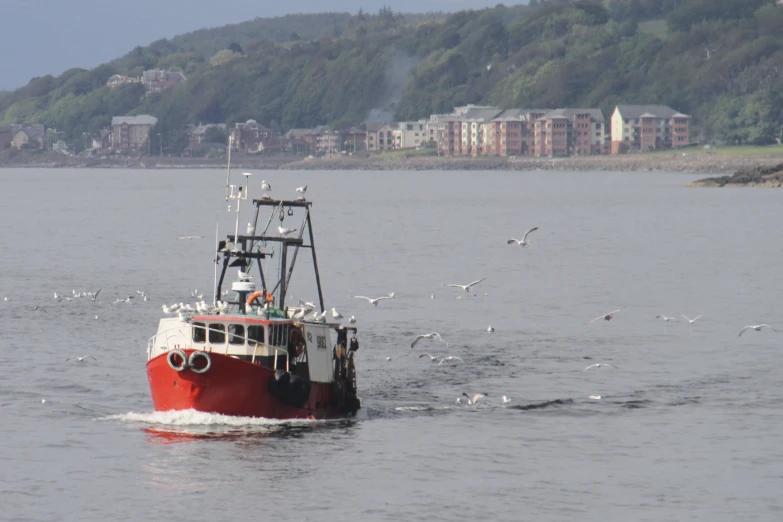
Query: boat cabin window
[[236, 334], [255, 332], [278, 334], [199, 333], [217, 333]]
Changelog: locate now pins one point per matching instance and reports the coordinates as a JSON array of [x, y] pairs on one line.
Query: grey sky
[[41, 37]]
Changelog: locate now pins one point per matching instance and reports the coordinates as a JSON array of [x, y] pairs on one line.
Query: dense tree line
[[719, 60]]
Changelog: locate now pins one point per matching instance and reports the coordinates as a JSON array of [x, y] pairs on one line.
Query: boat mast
[[228, 167]]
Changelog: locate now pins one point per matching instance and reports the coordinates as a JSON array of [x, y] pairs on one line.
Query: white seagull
[[190, 237], [376, 300], [598, 365], [505, 400], [285, 231], [433, 335], [301, 190], [433, 358], [250, 229], [490, 329], [265, 186], [475, 398], [691, 321], [522, 242], [594, 397], [450, 358], [80, 359], [466, 287], [756, 327], [352, 320], [605, 317], [336, 314], [667, 319]]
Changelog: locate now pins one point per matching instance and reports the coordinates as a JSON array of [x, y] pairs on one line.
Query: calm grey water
[[688, 427]]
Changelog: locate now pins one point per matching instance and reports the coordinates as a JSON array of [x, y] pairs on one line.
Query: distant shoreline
[[694, 161]]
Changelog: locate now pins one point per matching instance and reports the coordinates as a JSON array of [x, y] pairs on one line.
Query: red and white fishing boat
[[253, 355]]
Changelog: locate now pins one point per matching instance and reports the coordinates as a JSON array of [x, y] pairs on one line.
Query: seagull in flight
[[475, 398], [285, 231], [605, 317], [433, 335], [691, 321], [756, 327], [301, 190], [83, 357], [433, 358], [598, 365], [468, 286], [522, 242], [190, 237], [94, 296], [667, 319], [376, 300]]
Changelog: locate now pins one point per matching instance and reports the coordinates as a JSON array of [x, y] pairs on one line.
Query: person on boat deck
[[295, 344], [340, 352]]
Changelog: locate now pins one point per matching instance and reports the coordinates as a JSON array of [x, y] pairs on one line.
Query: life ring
[[182, 357], [195, 366], [259, 293]]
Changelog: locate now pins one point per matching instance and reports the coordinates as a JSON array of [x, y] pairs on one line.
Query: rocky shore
[[758, 176], [694, 161]]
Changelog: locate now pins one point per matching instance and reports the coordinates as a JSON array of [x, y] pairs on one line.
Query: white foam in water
[[200, 418]]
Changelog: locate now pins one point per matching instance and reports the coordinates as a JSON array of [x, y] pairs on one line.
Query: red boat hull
[[232, 387]]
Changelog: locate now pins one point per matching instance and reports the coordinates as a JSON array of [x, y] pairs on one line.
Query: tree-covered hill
[[719, 60]]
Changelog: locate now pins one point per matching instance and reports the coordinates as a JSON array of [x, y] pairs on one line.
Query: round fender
[[177, 359], [200, 362]]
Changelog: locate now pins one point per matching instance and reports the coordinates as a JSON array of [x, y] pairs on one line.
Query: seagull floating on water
[[667, 319], [594, 397], [285, 231], [756, 327], [691, 321], [475, 398], [605, 317], [468, 286], [490, 329], [433, 335], [505, 400], [522, 242], [598, 365], [193, 237], [83, 357], [376, 300]]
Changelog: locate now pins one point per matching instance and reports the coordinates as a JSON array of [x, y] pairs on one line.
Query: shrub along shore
[[695, 161]]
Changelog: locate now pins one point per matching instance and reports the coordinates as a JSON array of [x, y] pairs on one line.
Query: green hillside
[[718, 60]]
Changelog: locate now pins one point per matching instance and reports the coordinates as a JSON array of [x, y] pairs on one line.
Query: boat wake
[[199, 418]]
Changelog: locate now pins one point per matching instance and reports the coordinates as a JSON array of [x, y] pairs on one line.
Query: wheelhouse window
[[199, 333], [236, 334], [217, 333], [255, 332]]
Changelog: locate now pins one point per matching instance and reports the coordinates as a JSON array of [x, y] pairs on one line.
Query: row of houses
[[468, 131], [482, 131], [30, 136], [479, 131]]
